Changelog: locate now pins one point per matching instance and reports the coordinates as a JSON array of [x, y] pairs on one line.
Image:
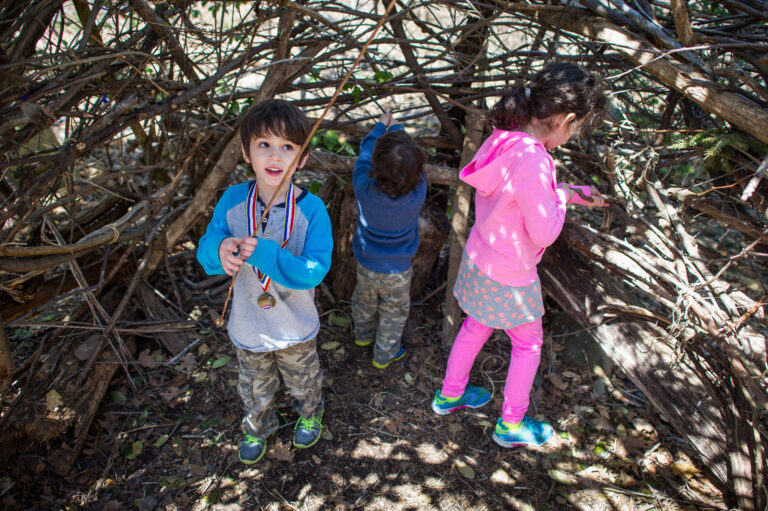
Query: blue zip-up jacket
[[387, 234], [295, 270]]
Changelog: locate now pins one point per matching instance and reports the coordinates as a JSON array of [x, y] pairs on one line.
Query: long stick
[[220, 320]]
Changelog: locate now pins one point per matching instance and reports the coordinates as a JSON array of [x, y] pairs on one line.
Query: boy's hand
[[233, 251], [247, 246], [386, 119]]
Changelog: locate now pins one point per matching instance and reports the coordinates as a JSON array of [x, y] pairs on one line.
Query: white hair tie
[[528, 92]]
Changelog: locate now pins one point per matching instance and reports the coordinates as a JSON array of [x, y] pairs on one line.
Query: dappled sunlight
[[432, 454]]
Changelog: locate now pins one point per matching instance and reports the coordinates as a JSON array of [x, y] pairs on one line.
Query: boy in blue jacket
[[390, 188], [274, 321]]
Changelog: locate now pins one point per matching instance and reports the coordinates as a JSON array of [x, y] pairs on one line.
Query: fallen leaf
[[53, 400], [643, 425], [500, 476], [167, 395], [146, 359], [136, 448], [85, 349], [178, 447], [329, 345], [280, 451], [408, 378], [424, 388], [684, 468], [339, 321], [221, 361], [557, 347], [571, 375], [175, 483], [117, 396], [161, 441], [394, 425], [561, 477], [455, 427], [465, 469], [327, 435], [557, 381], [316, 460]]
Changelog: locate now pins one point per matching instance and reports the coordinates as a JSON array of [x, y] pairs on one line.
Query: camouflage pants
[[258, 381], [389, 295]]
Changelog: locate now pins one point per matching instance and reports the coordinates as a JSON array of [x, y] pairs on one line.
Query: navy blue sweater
[[387, 233]]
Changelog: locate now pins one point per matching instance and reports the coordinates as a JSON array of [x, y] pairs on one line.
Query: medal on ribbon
[[266, 300]]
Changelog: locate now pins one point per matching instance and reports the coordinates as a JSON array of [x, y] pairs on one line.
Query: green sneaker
[[252, 449], [529, 432], [473, 397], [306, 433]]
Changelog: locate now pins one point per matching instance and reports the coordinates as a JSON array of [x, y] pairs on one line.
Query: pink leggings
[[524, 360]]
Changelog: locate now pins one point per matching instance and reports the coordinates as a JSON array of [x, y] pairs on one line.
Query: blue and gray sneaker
[[252, 449], [306, 433], [400, 354], [528, 432], [473, 397]]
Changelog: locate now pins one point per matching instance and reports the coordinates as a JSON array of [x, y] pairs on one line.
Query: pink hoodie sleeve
[[541, 202]]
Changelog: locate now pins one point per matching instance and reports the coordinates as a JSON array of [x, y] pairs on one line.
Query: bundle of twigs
[[118, 132]]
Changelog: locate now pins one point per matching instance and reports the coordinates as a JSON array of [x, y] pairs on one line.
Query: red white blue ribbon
[[254, 216]]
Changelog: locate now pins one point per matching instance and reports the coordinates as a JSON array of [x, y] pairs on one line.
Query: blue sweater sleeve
[[304, 271], [217, 230], [364, 163]]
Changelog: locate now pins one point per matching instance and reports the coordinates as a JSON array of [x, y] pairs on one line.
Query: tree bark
[[457, 237]]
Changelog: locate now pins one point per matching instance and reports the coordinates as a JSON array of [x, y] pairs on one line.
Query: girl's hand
[[229, 250], [598, 201], [386, 119]]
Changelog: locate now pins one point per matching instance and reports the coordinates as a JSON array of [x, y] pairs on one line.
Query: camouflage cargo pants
[[258, 382], [389, 295]]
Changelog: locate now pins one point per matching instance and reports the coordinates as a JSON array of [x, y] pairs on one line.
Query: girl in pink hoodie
[[519, 211]]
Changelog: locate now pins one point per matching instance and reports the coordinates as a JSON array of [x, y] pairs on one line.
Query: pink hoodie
[[519, 209]]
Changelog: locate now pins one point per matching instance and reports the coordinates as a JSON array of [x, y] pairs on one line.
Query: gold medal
[[266, 301]]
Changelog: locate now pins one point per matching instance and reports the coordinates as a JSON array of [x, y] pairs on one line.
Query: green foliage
[[332, 140], [315, 186], [718, 145], [382, 76]]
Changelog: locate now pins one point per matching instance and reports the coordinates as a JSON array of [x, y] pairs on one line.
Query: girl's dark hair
[[558, 88], [398, 164], [278, 117]]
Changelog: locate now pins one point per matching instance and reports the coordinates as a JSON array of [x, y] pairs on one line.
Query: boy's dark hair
[[278, 117], [398, 164], [558, 88]]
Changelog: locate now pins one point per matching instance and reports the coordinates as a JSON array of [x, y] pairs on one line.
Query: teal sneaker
[[252, 449], [530, 432], [306, 433], [400, 354], [473, 397]]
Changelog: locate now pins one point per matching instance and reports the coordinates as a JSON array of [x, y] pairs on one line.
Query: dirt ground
[[172, 444]]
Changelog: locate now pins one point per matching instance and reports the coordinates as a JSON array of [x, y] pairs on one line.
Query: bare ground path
[[172, 444]]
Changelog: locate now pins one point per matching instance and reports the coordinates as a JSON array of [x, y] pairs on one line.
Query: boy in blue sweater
[[390, 188], [274, 320]]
